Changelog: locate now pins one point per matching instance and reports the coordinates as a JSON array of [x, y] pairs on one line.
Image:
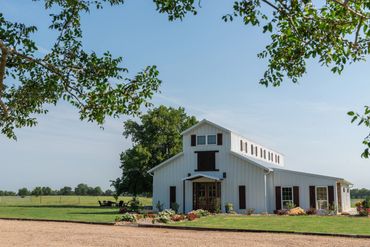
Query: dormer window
[[201, 140]]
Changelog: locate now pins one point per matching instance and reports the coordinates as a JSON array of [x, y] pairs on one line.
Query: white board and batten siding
[[240, 170], [286, 178]]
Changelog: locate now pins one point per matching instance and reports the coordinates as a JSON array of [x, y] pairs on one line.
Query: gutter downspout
[[267, 172]]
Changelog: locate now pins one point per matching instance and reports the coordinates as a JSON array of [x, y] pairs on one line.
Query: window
[[246, 147], [272, 157], [241, 145], [201, 140], [322, 197], [252, 149], [261, 153], [269, 155], [286, 197], [264, 154], [256, 151], [206, 160], [211, 139], [278, 159], [344, 190]]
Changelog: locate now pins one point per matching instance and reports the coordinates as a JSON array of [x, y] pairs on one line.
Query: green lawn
[[73, 208], [320, 224]]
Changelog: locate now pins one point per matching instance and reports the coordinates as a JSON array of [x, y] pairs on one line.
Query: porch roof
[[201, 175]]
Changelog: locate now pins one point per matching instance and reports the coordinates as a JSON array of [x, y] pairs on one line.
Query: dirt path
[[26, 233]]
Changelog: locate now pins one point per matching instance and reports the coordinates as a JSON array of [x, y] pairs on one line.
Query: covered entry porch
[[206, 192]]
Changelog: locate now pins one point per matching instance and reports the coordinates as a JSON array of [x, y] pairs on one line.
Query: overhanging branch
[[4, 55]]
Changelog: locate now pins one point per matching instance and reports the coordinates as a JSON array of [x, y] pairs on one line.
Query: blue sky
[[210, 68]]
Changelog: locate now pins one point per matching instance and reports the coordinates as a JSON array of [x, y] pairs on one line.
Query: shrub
[[229, 207], [177, 217], [201, 212], [162, 217], [250, 211], [128, 217], [159, 206], [134, 205], [282, 212], [170, 212], [175, 206], [323, 212], [191, 216], [290, 205], [311, 211]]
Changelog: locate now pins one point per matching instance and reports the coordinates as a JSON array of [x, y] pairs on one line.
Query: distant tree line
[[80, 190], [7, 193], [360, 193]]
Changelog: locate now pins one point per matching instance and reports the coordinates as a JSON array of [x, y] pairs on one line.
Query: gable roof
[[204, 121], [165, 162]]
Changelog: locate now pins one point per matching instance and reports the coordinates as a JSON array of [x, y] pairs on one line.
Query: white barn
[[218, 166]]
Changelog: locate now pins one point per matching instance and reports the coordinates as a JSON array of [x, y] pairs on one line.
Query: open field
[[319, 224], [72, 208], [65, 200], [20, 233]]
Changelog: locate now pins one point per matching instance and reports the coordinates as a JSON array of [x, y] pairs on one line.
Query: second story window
[[252, 149], [201, 140], [211, 139]]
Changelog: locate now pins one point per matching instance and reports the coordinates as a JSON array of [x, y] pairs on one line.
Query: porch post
[[183, 196]]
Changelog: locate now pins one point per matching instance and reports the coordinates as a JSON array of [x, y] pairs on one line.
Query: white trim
[[281, 196], [206, 140], [204, 121], [165, 162], [200, 175], [327, 197]]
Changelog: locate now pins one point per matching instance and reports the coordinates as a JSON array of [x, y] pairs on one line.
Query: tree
[[81, 189], [23, 192], [108, 193], [97, 191], [156, 138], [37, 191], [93, 83], [334, 32], [66, 191], [46, 191]]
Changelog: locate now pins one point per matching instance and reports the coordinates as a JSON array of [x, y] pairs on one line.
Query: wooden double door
[[207, 195]]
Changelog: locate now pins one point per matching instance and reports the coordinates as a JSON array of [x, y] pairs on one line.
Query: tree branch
[[4, 55], [345, 5]]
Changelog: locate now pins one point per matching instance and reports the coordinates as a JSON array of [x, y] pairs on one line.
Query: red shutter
[[278, 197], [193, 140], [242, 201], [331, 196], [219, 139], [312, 197], [296, 196]]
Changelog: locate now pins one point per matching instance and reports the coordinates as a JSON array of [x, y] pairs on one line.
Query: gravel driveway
[[27, 233]]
